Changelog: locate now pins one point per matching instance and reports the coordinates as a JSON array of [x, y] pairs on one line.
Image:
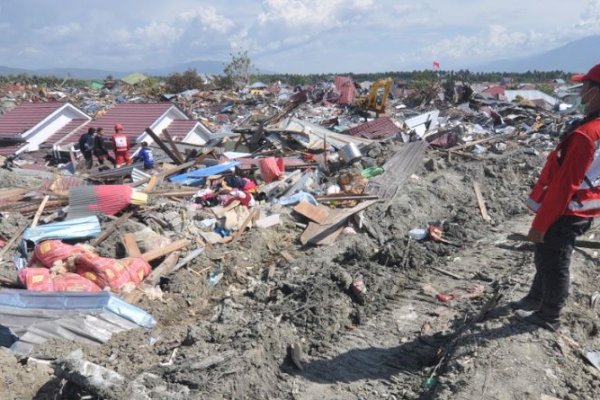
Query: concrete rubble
[[267, 261]]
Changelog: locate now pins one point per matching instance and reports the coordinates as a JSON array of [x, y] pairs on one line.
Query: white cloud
[[496, 43], [296, 13], [58, 31], [157, 33], [589, 21], [209, 18]]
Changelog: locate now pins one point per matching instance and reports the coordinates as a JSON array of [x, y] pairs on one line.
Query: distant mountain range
[[206, 67], [577, 56]]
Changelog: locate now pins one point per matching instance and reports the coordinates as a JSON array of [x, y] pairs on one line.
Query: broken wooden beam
[[39, 212], [151, 185], [111, 228], [11, 242], [131, 247], [326, 199], [316, 233], [314, 213], [481, 202], [173, 146], [163, 251], [163, 146]]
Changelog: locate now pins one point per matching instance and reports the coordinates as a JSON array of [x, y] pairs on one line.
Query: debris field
[[288, 243]]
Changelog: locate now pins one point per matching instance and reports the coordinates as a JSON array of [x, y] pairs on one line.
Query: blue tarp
[[194, 177]]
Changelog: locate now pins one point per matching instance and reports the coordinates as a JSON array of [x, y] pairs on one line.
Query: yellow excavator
[[377, 98]]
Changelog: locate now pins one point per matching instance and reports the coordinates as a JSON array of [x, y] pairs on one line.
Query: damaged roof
[[25, 117]]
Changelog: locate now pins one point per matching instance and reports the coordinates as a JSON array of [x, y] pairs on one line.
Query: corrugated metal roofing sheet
[[25, 117], [8, 150], [179, 128], [135, 118], [378, 128], [345, 86], [34, 317]]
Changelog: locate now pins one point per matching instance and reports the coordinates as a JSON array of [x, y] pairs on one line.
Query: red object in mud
[[445, 297], [358, 286], [271, 168], [435, 233], [2, 243]]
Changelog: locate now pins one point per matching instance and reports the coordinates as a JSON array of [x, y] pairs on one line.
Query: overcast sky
[[296, 36]]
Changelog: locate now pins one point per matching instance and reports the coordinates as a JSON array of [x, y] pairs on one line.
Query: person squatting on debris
[[145, 155], [86, 145], [565, 198], [99, 148], [121, 147]]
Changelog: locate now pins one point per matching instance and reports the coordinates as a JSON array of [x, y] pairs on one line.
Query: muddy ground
[[279, 329]]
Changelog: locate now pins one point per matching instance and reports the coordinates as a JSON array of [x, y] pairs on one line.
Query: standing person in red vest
[[565, 199], [121, 146]]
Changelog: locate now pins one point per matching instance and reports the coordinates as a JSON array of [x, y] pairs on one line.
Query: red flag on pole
[[436, 65]]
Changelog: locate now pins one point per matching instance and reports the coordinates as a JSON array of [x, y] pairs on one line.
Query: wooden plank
[[151, 184], [163, 251], [39, 212], [316, 233], [173, 146], [481, 202], [344, 198], [151, 280], [12, 192], [316, 214], [11, 241], [163, 269], [131, 246], [325, 238], [176, 193], [287, 256], [111, 228], [163, 146]]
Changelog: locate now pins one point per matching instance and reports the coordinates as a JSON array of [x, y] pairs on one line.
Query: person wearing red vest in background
[[565, 198], [121, 147]]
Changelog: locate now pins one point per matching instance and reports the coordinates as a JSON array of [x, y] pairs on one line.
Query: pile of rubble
[[239, 268]]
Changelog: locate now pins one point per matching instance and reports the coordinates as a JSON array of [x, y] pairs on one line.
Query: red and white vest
[[120, 141], [586, 199]]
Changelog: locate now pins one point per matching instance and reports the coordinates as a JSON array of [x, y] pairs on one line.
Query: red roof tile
[[345, 86], [8, 150], [378, 128], [180, 127], [72, 126], [494, 90], [25, 117], [135, 118]]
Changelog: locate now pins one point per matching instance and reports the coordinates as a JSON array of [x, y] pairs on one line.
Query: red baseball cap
[[592, 75]]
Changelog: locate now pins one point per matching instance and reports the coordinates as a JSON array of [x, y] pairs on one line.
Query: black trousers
[[89, 160], [552, 260]]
